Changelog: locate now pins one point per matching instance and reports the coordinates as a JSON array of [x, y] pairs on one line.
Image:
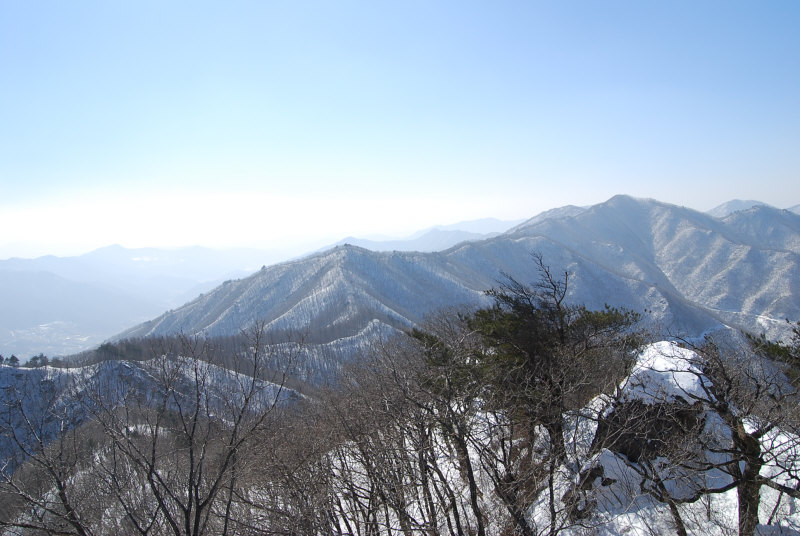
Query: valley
[[508, 384]]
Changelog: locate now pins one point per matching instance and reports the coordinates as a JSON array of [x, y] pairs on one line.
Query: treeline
[[39, 360], [129, 349], [485, 422], [12, 360]]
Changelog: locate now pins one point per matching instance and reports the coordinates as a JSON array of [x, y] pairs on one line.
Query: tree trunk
[[507, 491], [555, 428], [680, 528], [466, 467], [749, 491], [749, 494]]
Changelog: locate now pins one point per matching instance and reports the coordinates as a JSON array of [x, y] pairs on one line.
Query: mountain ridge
[[734, 205], [140, 283], [690, 270]]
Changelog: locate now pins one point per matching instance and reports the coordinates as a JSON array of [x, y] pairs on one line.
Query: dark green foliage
[[539, 342], [448, 372], [40, 360], [128, 349], [788, 353], [543, 356]]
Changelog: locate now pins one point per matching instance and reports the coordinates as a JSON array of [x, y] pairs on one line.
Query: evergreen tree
[[544, 356]]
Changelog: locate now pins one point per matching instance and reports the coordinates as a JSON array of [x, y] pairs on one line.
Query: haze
[[269, 124]]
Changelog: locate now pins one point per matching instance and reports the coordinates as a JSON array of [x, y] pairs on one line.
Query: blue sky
[[278, 123]]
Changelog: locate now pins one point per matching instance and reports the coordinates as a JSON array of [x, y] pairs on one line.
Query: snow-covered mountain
[[734, 205], [436, 238], [53, 399], [62, 305], [690, 271], [433, 240]]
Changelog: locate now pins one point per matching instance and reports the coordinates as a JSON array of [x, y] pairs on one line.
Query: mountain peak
[[734, 205], [691, 271], [566, 211]]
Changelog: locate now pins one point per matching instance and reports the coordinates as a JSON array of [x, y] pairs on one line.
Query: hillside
[[444, 431], [63, 305], [691, 271], [655, 453], [734, 205]]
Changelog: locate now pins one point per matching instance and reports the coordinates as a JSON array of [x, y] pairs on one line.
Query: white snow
[[664, 372]]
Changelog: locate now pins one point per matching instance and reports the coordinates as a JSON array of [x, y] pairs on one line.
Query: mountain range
[[61, 305], [691, 272], [735, 265], [735, 205], [436, 238]]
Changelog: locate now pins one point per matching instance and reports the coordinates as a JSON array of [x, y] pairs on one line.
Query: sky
[[276, 123]]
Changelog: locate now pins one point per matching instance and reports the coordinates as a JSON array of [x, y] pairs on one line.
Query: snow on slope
[[554, 213], [734, 271], [690, 271], [667, 373], [663, 372], [728, 208], [45, 393], [336, 294], [433, 240]]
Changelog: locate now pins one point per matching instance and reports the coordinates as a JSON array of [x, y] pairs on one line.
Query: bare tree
[[44, 447], [758, 406], [184, 440], [542, 358], [732, 423], [170, 445]]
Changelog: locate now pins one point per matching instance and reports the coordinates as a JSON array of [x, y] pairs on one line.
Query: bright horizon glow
[[262, 220], [292, 125]]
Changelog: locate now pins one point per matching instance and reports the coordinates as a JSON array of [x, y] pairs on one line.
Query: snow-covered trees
[[460, 428], [542, 356], [531, 417], [156, 447], [44, 452], [710, 425]]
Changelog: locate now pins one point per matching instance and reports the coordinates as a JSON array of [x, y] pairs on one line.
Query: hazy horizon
[[298, 248], [268, 125], [313, 243]]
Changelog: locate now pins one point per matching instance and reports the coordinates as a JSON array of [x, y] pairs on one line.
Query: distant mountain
[[44, 312], [482, 226], [437, 238], [567, 211], [433, 240], [690, 271], [732, 206], [795, 209], [61, 305], [117, 265]]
